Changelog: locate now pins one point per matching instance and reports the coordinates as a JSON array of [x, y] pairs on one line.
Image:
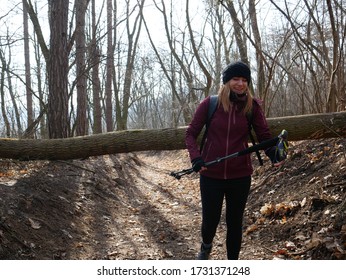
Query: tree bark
[[109, 68], [95, 55], [58, 122], [2, 95], [29, 102], [261, 78], [81, 118], [303, 127]]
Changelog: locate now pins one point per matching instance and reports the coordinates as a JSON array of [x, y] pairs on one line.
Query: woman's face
[[238, 85]]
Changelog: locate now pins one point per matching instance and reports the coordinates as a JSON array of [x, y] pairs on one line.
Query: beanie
[[236, 69]]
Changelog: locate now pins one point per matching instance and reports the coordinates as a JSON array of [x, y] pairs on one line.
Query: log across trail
[[303, 127]]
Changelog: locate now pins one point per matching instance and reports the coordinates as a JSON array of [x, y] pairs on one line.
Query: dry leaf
[[290, 245], [251, 229], [169, 253], [281, 252], [303, 202], [267, 209], [34, 224]]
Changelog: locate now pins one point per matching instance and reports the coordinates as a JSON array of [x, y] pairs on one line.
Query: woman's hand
[[198, 164]]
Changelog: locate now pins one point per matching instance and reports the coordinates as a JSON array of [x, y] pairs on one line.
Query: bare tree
[[261, 78], [2, 93], [37, 27], [196, 53], [109, 67], [166, 73], [320, 45], [6, 82], [180, 64], [220, 42], [29, 103], [58, 122], [238, 30], [133, 34], [333, 95], [94, 54], [81, 71]]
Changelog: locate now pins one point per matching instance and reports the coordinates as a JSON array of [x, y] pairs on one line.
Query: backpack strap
[[249, 117], [211, 110]]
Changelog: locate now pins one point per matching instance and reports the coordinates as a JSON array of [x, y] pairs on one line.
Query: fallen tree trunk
[[317, 126]]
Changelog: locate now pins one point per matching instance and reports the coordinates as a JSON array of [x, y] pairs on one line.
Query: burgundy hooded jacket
[[228, 133]]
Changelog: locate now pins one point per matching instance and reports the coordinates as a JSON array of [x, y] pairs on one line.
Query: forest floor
[[128, 207]]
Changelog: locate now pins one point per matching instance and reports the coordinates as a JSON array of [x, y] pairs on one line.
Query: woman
[[227, 134]]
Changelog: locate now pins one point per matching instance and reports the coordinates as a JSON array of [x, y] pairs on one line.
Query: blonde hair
[[223, 99]]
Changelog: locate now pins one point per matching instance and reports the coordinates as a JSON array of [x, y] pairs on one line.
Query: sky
[[266, 17]]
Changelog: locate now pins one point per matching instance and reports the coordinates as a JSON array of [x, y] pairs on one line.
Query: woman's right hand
[[198, 164]]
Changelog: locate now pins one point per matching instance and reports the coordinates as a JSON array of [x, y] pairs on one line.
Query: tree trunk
[[95, 55], [197, 54], [81, 119], [58, 123], [261, 78], [29, 104], [37, 27], [2, 96], [299, 128], [109, 68], [132, 37], [10, 90]]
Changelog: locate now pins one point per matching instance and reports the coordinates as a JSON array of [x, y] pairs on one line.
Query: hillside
[[127, 206]]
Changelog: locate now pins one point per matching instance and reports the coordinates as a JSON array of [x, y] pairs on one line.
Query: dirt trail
[[127, 206]]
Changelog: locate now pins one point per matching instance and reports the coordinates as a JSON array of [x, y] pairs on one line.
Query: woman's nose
[[241, 82]]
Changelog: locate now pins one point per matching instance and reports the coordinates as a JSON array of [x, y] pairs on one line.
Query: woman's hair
[[224, 99]]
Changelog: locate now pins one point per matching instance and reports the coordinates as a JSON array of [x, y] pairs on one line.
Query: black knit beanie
[[236, 69]]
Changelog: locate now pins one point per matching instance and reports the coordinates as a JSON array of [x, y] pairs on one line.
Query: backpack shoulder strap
[[211, 110], [249, 117], [212, 107]]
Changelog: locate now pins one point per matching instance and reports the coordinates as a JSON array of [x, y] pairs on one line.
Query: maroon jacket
[[227, 134]]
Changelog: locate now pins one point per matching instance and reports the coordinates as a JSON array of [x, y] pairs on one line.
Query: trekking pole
[[261, 146]]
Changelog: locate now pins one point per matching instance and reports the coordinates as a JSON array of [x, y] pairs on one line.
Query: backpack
[[211, 110]]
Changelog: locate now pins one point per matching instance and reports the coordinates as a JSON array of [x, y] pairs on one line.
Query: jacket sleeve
[[259, 123], [195, 127]]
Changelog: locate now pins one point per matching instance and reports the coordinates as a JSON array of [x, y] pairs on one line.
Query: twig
[[77, 166], [335, 184], [265, 179], [301, 252], [270, 250]]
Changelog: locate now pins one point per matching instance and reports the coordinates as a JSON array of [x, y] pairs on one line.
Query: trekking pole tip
[[175, 175]]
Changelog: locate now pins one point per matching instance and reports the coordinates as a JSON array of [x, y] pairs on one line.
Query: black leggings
[[213, 192]]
